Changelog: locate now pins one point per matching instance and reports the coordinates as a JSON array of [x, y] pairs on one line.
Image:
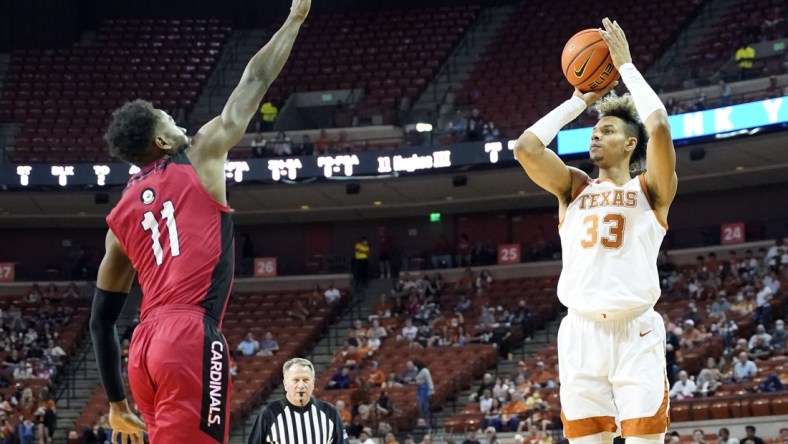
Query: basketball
[[586, 61]]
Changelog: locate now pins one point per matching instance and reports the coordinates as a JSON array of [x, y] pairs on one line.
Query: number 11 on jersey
[[149, 222]]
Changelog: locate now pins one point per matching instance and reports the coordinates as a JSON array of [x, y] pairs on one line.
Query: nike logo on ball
[[644, 334], [579, 72]]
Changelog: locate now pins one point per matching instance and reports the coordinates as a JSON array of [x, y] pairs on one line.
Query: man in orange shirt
[[376, 376]]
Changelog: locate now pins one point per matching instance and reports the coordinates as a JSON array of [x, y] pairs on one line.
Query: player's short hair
[[131, 131], [624, 108], [298, 361]]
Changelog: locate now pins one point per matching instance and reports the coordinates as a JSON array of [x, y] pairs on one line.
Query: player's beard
[[184, 145]]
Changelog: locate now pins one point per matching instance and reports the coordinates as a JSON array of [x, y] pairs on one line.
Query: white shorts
[[612, 374]]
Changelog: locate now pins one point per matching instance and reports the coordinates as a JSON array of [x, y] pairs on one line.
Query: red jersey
[[178, 237]]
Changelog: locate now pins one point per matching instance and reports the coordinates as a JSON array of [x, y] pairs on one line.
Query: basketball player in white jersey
[[611, 351]]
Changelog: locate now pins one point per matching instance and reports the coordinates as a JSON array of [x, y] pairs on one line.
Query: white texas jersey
[[610, 237]]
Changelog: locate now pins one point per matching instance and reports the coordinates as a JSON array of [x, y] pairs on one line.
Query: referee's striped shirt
[[281, 422]]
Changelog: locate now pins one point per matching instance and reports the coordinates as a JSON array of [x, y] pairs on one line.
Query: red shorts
[[179, 375]]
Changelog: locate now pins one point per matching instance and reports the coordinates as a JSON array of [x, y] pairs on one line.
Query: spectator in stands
[[332, 294], [378, 330], [720, 306], [268, 114], [344, 413], [361, 264], [299, 312], [12, 360], [692, 336], [779, 339], [489, 436], [24, 370], [470, 438], [488, 383], [323, 144], [524, 318], [543, 377], [365, 438], [744, 370], [760, 333], [393, 380], [389, 438], [475, 131], [490, 132], [697, 437], [783, 438], [34, 295], [724, 437], [466, 282], [684, 388], [341, 379], [72, 292], [376, 377], [259, 146], [760, 349], [492, 414], [441, 253], [385, 248], [483, 282], [511, 411], [751, 438], [282, 145], [775, 382], [744, 305], [463, 251], [409, 331], [774, 90], [233, 364], [51, 292], [409, 375], [249, 346], [706, 382], [269, 346], [725, 93], [763, 298], [424, 389], [464, 304], [306, 148], [773, 25], [315, 297], [745, 56]]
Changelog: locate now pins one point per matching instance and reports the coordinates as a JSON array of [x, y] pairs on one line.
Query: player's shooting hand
[[300, 9], [614, 36], [592, 96], [126, 424]]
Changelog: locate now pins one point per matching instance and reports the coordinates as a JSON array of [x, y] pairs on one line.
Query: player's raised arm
[[216, 137], [660, 154], [114, 280], [544, 166]]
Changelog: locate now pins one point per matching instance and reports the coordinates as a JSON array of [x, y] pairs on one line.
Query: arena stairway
[[239, 49], [437, 96], [79, 381], [690, 40]]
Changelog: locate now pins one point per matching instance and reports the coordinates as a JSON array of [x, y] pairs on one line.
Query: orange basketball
[[586, 61]]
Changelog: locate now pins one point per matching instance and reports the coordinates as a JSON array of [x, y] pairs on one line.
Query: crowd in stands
[[32, 361], [738, 302], [415, 315]]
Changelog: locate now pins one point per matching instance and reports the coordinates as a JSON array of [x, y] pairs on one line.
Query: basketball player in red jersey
[[173, 227]]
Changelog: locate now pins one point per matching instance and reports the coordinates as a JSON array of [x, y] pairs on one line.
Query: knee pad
[[599, 438], [658, 438]]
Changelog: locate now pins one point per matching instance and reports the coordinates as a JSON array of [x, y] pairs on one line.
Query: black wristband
[[105, 312]]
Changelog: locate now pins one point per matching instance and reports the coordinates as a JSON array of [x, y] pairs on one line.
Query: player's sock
[[657, 438], [599, 438]]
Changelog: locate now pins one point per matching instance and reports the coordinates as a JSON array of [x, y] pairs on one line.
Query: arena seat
[[517, 81], [55, 91]]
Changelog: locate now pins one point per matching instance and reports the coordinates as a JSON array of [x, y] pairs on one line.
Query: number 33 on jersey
[[616, 226]]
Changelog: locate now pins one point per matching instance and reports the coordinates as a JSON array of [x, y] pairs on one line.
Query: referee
[[299, 418]]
